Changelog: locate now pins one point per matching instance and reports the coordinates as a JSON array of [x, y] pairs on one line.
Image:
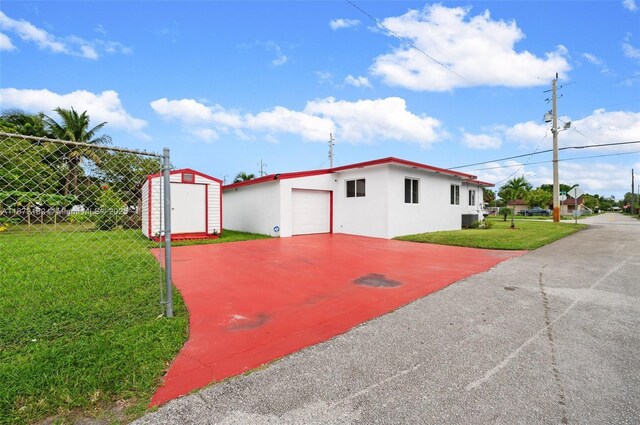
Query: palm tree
[[515, 188], [75, 128], [242, 177]]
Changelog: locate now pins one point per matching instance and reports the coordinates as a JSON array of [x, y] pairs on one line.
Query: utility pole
[[554, 130], [262, 165], [331, 140], [633, 195]]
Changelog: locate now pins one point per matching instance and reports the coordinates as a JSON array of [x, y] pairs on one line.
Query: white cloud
[[70, 45], [5, 43], [481, 141], [337, 24], [280, 58], [277, 120], [628, 49], [362, 121], [592, 58], [105, 106], [599, 127], [479, 49], [379, 119], [324, 77], [357, 81], [206, 134], [630, 5]]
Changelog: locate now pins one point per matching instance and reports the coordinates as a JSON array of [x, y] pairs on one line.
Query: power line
[[547, 151], [410, 43], [560, 160]]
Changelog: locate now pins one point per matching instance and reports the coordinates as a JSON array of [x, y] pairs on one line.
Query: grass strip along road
[[528, 234]]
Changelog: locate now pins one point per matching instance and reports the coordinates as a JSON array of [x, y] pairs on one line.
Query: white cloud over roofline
[[471, 51], [362, 121]]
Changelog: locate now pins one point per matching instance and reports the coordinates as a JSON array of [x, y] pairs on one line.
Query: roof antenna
[[331, 144]]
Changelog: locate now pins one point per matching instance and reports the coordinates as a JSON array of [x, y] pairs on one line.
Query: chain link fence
[[76, 210]]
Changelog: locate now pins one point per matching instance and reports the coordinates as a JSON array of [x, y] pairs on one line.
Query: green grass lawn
[[81, 326], [81, 329], [528, 234], [226, 236]]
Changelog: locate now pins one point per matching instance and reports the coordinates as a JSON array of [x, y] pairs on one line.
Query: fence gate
[[74, 210]]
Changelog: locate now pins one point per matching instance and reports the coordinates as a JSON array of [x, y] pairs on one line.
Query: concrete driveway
[[550, 337], [254, 302]]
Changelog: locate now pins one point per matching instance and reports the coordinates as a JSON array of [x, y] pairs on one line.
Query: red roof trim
[[187, 170], [481, 183], [389, 160], [393, 160], [282, 176]]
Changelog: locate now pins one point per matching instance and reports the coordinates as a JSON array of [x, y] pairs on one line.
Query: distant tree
[[539, 198], [515, 188], [243, 177], [75, 127], [20, 122], [488, 197], [549, 187]]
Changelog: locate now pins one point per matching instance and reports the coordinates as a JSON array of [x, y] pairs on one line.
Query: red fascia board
[[393, 160], [187, 170], [382, 161], [275, 177], [481, 183]]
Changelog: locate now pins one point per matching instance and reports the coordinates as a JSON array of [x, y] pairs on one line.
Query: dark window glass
[[187, 177], [455, 195], [411, 191], [407, 191], [360, 187], [351, 188]]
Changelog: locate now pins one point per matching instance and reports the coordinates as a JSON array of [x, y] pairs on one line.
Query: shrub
[[111, 210], [474, 225], [78, 218]]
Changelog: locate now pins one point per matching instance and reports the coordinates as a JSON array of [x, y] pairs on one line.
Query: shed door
[[310, 211], [188, 208]]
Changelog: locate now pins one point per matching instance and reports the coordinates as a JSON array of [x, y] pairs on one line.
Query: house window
[[355, 188], [472, 197], [410, 191], [187, 178], [455, 194]]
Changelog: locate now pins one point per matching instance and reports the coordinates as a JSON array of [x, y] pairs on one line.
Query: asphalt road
[[550, 337]]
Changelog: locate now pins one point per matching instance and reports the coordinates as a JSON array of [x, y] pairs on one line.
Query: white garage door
[[311, 211], [188, 208]]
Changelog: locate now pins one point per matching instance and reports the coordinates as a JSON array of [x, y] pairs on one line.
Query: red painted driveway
[[254, 302]]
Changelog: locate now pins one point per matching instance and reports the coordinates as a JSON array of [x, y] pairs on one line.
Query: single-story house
[[570, 205], [382, 198], [519, 204], [196, 205]]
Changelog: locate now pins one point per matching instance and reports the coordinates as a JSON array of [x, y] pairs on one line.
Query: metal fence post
[[166, 169]]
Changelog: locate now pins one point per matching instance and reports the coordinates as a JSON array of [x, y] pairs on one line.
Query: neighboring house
[[520, 205], [569, 205], [382, 198], [196, 210]]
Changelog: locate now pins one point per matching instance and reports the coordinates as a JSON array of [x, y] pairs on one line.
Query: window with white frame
[[472, 196], [411, 191], [455, 194], [355, 188]]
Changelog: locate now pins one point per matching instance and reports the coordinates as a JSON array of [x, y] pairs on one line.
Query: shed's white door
[[310, 211], [188, 208]]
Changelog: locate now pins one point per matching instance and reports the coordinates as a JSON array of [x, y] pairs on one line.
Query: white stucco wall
[[252, 208], [433, 212], [368, 215]]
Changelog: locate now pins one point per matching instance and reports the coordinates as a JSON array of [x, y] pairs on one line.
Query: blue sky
[[227, 84]]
